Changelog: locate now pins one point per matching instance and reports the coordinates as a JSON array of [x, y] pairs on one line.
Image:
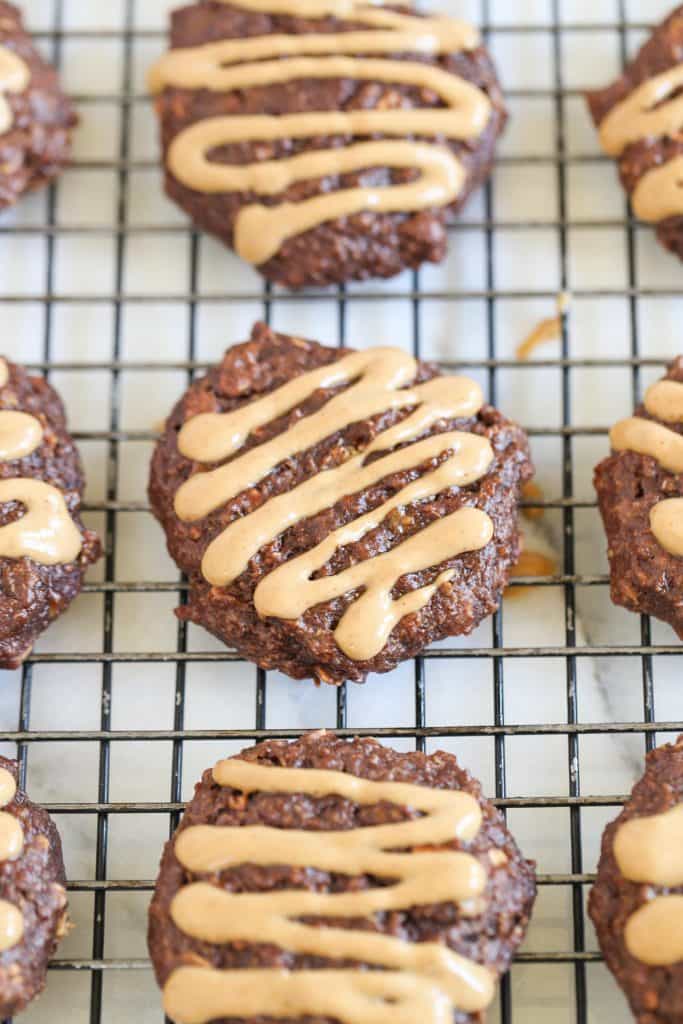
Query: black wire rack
[[578, 956]]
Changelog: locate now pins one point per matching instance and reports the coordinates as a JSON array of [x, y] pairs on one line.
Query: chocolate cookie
[[44, 547], [336, 511], [328, 141], [637, 902], [36, 118], [33, 912], [640, 493], [312, 864], [640, 118]]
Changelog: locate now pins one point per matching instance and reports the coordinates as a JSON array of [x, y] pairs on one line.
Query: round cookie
[[33, 906], [638, 117], [337, 511], [640, 494], [308, 829], [344, 161], [636, 903], [36, 118], [44, 547]]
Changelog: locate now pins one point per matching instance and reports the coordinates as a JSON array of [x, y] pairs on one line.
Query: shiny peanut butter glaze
[[419, 977], [377, 380], [32, 893], [637, 902], [231, 65], [663, 401], [15, 75]]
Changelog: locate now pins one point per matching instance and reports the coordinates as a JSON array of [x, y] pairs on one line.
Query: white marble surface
[[458, 692]]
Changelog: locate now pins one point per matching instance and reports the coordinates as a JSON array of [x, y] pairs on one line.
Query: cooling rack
[[75, 264]]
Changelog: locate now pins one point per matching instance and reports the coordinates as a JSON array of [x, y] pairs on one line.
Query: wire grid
[[496, 652]]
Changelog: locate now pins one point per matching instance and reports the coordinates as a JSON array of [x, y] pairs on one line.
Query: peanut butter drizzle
[[649, 113], [11, 837], [659, 193], [547, 330], [654, 933], [648, 438], [421, 981], [20, 434], [666, 522], [11, 925], [665, 401], [375, 376], [365, 626], [46, 532], [470, 456], [15, 75], [645, 113], [377, 381], [260, 230], [648, 849]]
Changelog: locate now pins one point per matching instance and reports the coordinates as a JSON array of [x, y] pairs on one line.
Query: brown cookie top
[[308, 862], [36, 118], [336, 510], [640, 493], [325, 142], [640, 117], [33, 912], [637, 902], [44, 547]]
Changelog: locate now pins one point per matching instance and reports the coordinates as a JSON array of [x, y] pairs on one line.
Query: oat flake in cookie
[[640, 119], [637, 902], [269, 905], [337, 511], [36, 118], [44, 547], [329, 140], [33, 910], [640, 493]]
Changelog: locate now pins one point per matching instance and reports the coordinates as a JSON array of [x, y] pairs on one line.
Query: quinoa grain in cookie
[[336, 511], [328, 141], [270, 903]]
